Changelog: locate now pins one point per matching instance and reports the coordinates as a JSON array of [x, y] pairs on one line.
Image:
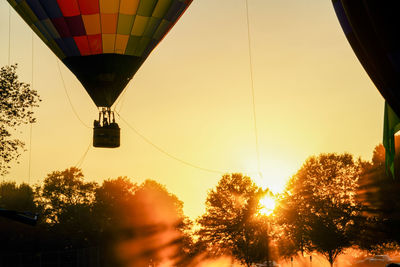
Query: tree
[[111, 201], [319, 211], [16, 102], [17, 197], [63, 191], [232, 224]]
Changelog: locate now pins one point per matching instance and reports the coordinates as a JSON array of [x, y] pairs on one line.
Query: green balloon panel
[[91, 27]]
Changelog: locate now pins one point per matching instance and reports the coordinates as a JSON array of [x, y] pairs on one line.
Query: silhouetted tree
[[232, 224], [319, 211], [67, 202], [17, 197], [16, 102], [111, 201], [64, 190]]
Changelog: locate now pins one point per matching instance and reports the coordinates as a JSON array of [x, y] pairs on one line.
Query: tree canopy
[[319, 211], [16, 102], [232, 224]]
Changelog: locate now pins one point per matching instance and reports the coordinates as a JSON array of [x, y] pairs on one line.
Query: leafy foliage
[[64, 191], [319, 211], [16, 102], [231, 224]]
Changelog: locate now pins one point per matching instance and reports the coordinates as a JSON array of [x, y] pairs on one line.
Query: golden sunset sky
[[192, 98]]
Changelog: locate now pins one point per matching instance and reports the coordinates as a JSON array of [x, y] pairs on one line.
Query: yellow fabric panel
[[109, 23], [92, 24], [125, 23], [108, 43], [139, 25], [120, 43], [161, 8], [128, 7], [109, 6]]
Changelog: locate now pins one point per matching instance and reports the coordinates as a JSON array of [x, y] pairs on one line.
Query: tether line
[[9, 34], [82, 159], [252, 89], [165, 152], [30, 123], [69, 99]]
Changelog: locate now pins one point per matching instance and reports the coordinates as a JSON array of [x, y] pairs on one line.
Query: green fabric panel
[[13, 3], [56, 49], [21, 10], [139, 25], [28, 12], [161, 8], [50, 28], [43, 30], [133, 42], [151, 27], [125, 23], [162, 29], [144, 42], [49, 42], [146, 7], [390, 127]]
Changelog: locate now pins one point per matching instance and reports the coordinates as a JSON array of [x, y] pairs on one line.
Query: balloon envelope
[[103, 42], [372, 29]]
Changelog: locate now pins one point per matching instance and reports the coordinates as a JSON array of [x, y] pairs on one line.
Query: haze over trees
[[332, 203], [125, 224]]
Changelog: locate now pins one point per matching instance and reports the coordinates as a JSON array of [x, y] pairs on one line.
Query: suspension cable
[[82, 159], [9, 34], [252, 89], [165, 152], [30, 124], [69, 99]]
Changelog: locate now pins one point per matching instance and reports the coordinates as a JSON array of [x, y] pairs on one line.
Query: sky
[[192, 99]]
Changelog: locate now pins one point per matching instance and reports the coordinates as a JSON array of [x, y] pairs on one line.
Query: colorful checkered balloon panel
[[103, 42]]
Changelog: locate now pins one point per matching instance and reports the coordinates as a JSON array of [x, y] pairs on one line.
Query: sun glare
[[267, 205]]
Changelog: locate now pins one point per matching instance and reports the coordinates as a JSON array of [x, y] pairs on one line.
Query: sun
[[267, 205]]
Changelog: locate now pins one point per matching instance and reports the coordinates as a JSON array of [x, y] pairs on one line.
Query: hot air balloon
[[103, 43], [372, 29]]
